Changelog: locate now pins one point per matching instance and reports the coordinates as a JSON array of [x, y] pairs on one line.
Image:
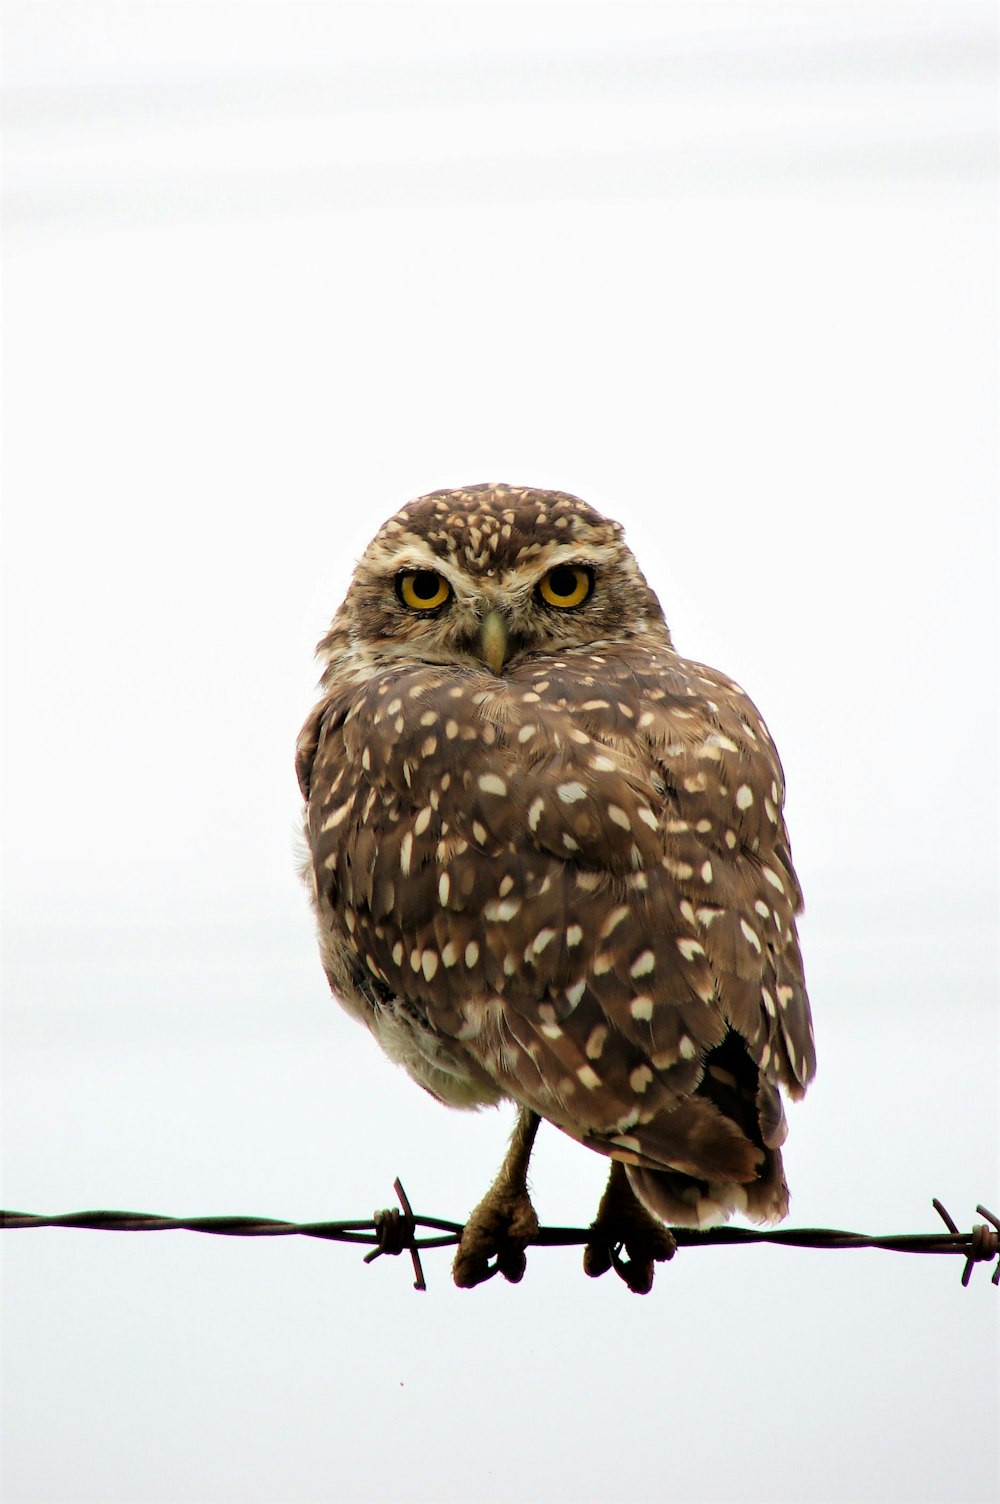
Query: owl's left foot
[[504, 1222], [622, 1222]]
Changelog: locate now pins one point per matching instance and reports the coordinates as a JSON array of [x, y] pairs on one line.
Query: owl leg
[[623, 1222], [504, 1221]]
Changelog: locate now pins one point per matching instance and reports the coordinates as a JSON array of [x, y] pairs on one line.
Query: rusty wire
[[394, 1231]]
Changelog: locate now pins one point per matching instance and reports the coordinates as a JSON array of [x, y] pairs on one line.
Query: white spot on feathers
[[689, 947], [642, 965], [613, 920], [570, 793], [503, 910], [751, 935], [595, 1041], [492, 783]]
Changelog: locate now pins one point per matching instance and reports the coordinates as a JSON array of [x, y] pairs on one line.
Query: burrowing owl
[[549, 864]]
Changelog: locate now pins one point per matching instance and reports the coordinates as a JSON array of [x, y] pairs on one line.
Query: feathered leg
[[623, 1222], [504, 1222]]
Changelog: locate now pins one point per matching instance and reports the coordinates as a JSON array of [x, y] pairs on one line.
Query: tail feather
[[688, 1202], [749, 1104]]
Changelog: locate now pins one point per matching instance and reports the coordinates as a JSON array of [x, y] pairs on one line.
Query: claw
[[499, 1229], [622, 1222]]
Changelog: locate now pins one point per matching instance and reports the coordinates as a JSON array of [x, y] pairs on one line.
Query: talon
[[623, 1223], [637, 1272], [597, 1258], [499, 1229]]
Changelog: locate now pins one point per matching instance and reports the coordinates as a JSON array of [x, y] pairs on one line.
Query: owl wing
[[580, 873]]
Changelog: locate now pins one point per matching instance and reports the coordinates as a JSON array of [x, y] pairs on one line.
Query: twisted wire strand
[[395, 1231]]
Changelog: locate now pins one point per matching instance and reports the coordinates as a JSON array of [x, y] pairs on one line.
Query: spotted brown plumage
[[549, 859]]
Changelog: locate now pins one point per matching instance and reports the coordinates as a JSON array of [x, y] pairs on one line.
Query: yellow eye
[[566, 586], [422, 589]]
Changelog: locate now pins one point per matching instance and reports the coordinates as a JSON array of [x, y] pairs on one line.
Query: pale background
[[728, 272]]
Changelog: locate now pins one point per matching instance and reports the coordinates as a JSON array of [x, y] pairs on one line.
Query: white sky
[[729, 273]]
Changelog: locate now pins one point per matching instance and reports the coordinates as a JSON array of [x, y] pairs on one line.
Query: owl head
[[489, 576]]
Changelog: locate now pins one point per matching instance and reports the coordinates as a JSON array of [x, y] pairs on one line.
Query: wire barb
[[983, 1242], [985, 1245], [396, 1230], [397, 1234]]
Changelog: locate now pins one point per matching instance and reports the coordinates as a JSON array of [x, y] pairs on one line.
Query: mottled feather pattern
[[568, 883]]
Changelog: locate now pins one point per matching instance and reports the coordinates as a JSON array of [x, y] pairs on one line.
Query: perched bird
[[549, 864]]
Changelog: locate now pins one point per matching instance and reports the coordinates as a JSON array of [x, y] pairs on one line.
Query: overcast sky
[[729, 273]]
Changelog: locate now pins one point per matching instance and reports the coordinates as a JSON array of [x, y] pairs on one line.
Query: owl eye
[[566, 586], [422, 589]]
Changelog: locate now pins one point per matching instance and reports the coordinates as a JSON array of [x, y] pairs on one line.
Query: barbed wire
[[394, 1231]]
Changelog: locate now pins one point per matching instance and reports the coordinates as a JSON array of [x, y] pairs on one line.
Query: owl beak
[[494, 642]]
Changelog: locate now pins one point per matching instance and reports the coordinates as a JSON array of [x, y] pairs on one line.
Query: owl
[[549, 864]]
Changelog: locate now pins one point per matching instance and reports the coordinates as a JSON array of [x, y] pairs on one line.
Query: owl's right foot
[[504, 1222], [495, 1237]]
